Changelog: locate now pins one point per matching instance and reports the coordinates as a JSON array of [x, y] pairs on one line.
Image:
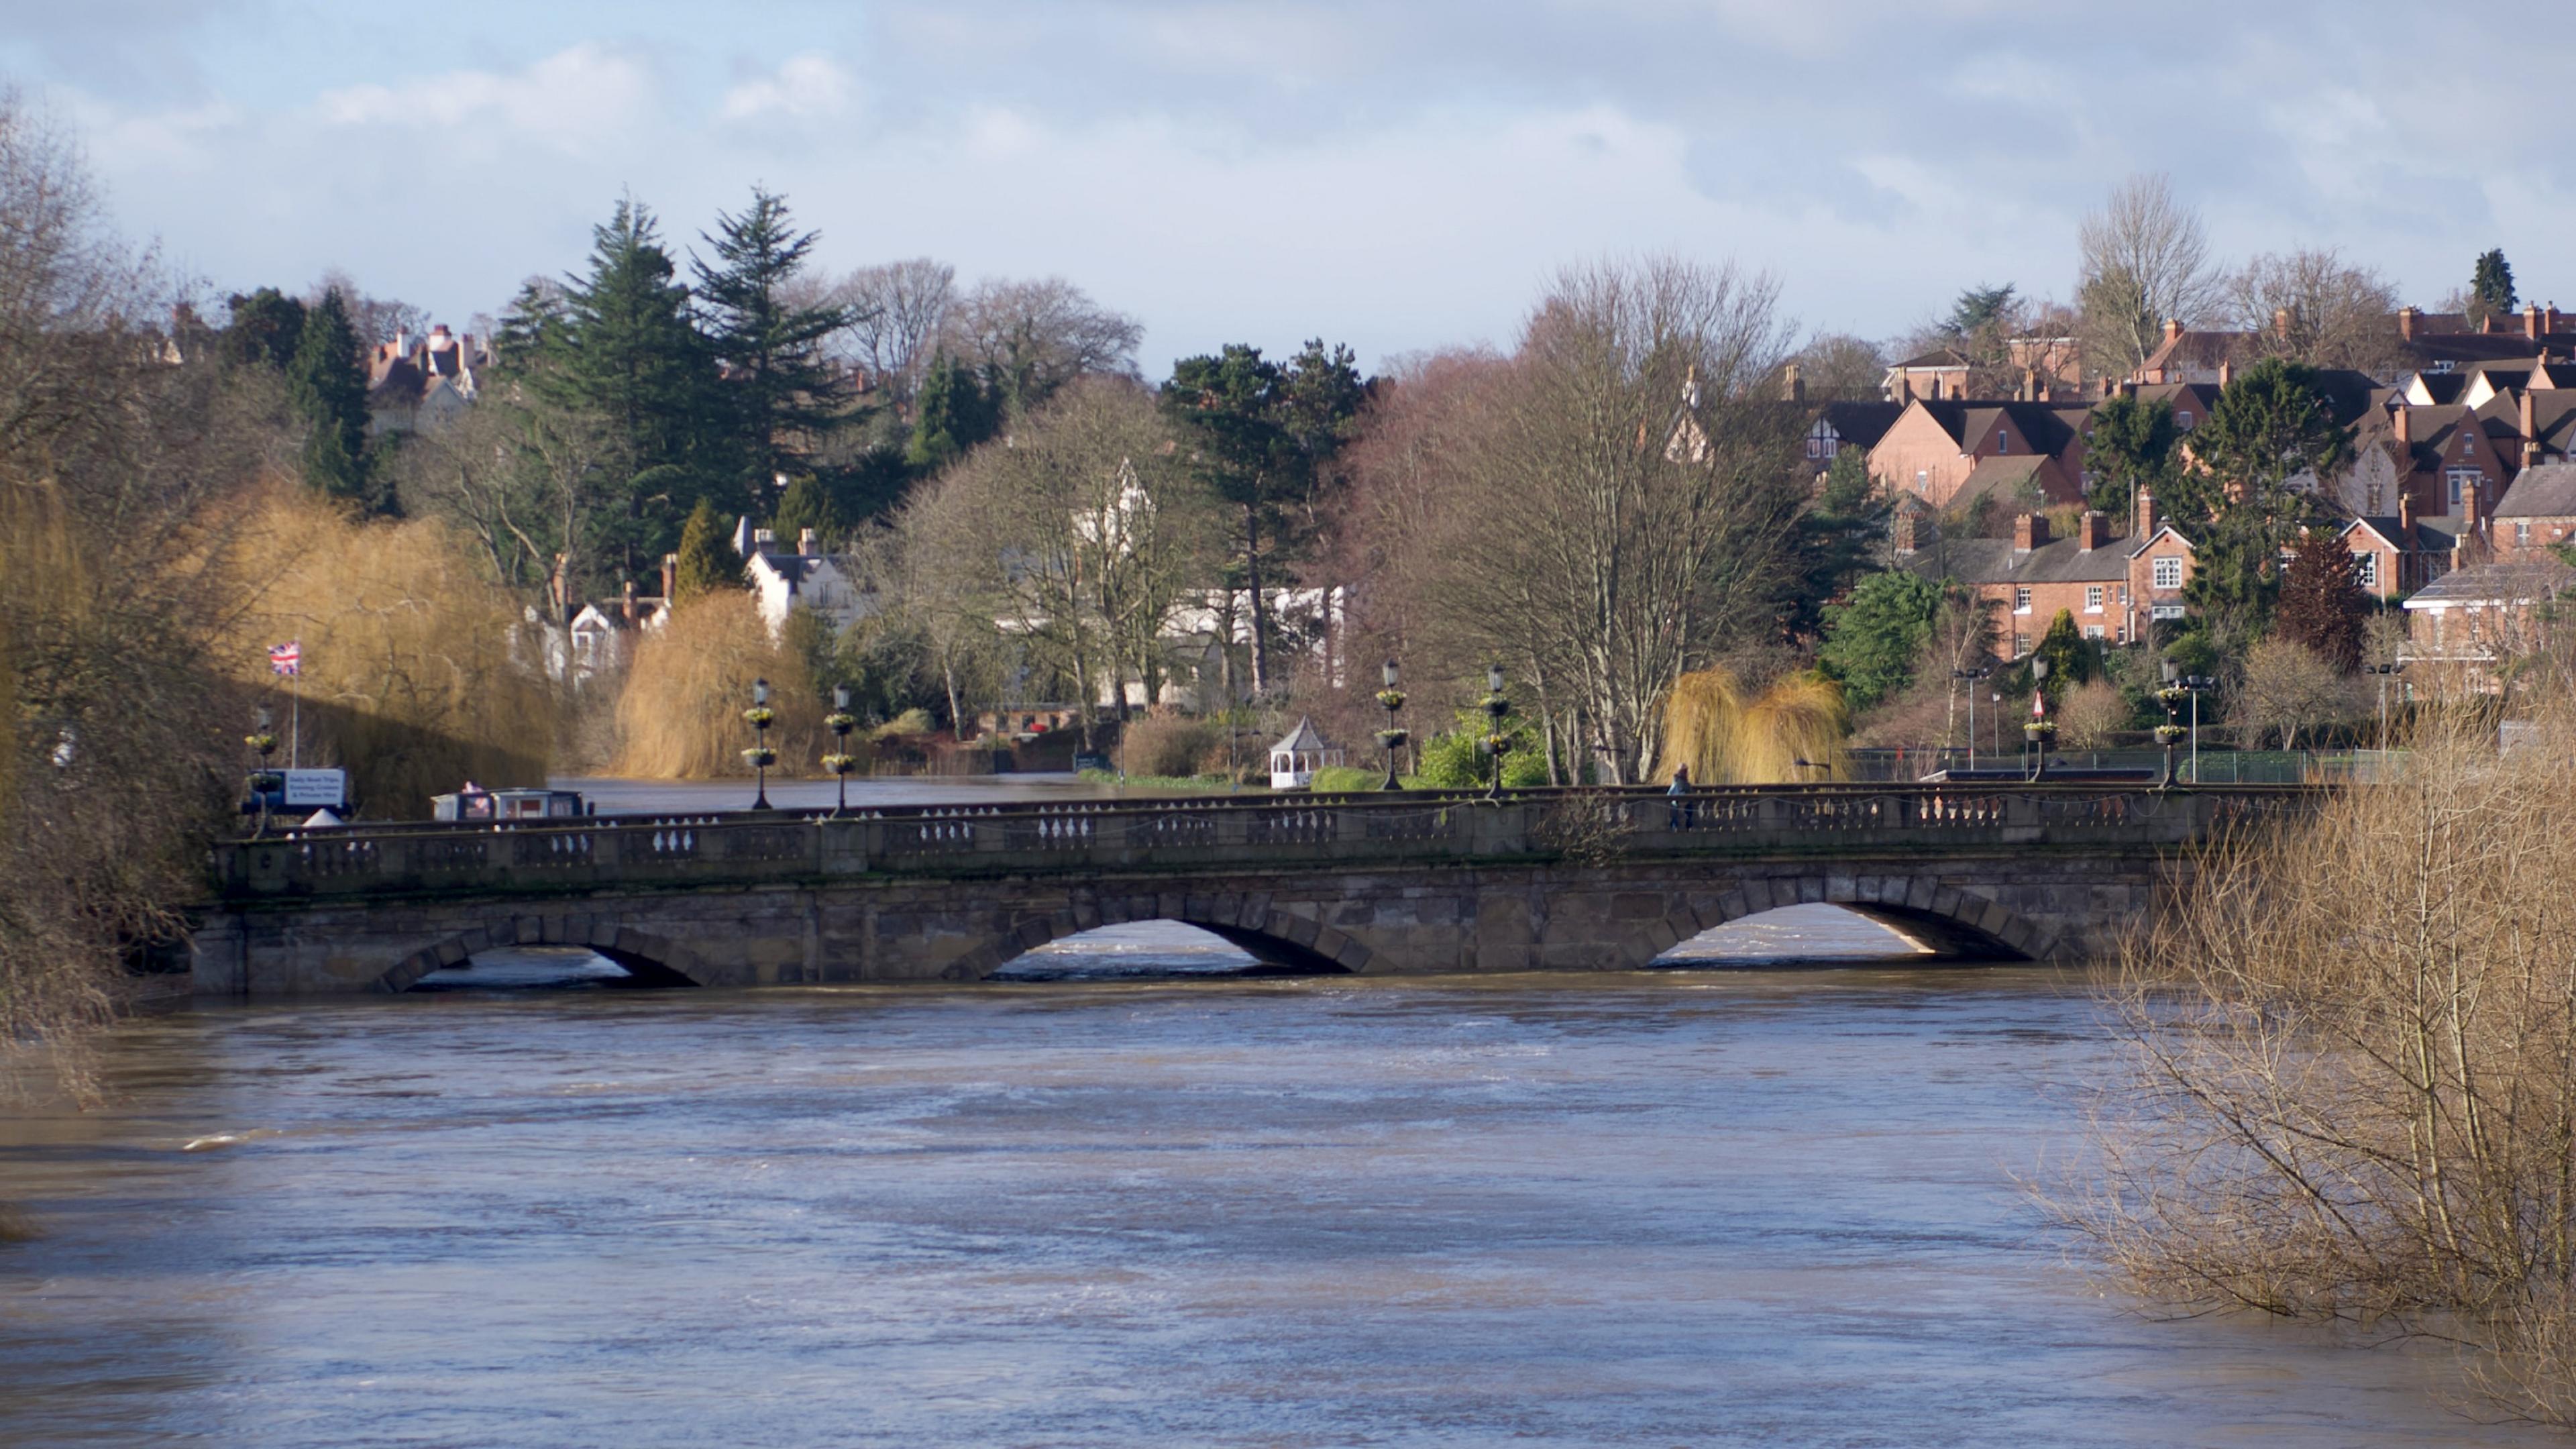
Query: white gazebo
[[1294, 760]]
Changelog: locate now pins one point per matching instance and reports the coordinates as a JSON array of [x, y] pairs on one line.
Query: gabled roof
[[2547, 491], [2040, 425], [1996, 561], [1861, 423], [2522, 581], [1939, 358], [2430, 536], [2441, 387]]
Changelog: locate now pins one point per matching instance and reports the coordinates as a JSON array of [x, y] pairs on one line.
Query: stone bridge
[[1401, 882]]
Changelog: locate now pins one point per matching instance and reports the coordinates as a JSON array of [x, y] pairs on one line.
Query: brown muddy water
[[1687, 1207]]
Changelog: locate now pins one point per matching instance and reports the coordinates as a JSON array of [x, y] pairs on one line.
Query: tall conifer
[[328, 390], [783, 394]]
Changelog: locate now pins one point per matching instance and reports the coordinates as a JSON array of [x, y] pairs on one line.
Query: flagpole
[[295, 712]]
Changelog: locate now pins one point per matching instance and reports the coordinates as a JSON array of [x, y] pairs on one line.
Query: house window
[[2522, 533], [2021, 601], [2003, 440], [1922, 480], [1815, 448], [2459, 478], [2021, 645], [2163, 612], [2092, 598], [2183, 421], [2092, 631], [2168, 574], [2368, 571]]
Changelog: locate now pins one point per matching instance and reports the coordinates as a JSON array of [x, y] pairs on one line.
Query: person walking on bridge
[[1679, 790]]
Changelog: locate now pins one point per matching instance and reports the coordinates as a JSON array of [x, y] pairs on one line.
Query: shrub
[[1346, 779], [2090, 716], [1165, 744]]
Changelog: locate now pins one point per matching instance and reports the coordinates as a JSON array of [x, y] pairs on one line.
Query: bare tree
[[1626, 512], [374, 319], [1079, 537], [1031, 338], [2288, 689], [2311, 306], [1837, 365], [2145, 260], [898, 309]]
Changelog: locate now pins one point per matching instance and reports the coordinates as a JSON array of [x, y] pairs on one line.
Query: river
[[1698, 1206]]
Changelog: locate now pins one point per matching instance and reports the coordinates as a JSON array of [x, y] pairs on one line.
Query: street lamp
[[840, 721], [1391, 699], [1496, 742], [2041, 728], [2171, 697], [2383, 671], [1972, 676], [760, 756], [1997, 700]]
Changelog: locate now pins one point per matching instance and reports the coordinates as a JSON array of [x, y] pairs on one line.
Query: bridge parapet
[[1217, 833]]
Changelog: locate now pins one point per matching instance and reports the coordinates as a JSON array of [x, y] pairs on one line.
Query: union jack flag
[[286, 660]]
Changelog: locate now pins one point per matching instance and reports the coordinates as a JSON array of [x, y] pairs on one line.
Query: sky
[[1399, 176]]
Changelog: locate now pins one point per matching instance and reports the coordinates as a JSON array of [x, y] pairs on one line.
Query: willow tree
[[1628, 512]]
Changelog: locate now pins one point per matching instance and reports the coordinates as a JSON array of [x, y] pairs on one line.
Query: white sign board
[[316, 787]]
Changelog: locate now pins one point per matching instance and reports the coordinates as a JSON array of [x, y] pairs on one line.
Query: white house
[[784, 582]]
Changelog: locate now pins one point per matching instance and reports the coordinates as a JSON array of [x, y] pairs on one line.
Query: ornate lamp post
[[1496, 742], [262, 740], [2041, 728], [1972, 676], [840, 761], [2170, 732], [1391, 699], [760, 756]]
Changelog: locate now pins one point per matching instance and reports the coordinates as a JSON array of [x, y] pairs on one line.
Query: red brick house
[[1934, 449], [2115, 587], [2400, 553], [2538, 514]]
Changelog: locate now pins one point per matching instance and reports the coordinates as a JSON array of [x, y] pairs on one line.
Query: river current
[[1700, 1206]]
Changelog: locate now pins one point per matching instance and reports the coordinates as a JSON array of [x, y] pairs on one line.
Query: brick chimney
[[805, 542], [2407, 317], [2281, 323], [2469, 509], [2402, 427], [2173, 329], [1793, 386], [2146, 516], [2530, 431], [2030, 384], [2226, 371], [2030, 531], [1900, 531], [764, 541], [2531, 321], [670, 576], [2091, 531]]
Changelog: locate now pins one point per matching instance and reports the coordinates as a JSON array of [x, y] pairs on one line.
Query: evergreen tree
[[806, 505], [328, 391], [2272, 424], [1264, 438], [266, 328], [1836, 541], [783, 393], [2322, 603], [1873, 641], [2491, 284], [951, 414], [2070, 656], [1977, 309], [533, 327], [2129, 446], [708, 562], [621, 346]]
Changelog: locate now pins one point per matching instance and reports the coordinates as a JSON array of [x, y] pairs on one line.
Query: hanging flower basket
[[761, 716], [2173, 696], [262, 744], [1393, 739], [1390, 699], [840, 764], [2040, 729], [761, 758], [840, 723], [2170, 735]]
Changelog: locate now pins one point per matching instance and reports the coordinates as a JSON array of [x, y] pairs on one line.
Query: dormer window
[[2003, 440]]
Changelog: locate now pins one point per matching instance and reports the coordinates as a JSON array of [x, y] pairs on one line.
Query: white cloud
[[809, 87], [570, 100]]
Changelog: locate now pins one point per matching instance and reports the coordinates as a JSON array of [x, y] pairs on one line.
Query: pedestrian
[[1681, 798]]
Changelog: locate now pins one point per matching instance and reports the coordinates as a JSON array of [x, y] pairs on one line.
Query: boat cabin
[[473, 804]]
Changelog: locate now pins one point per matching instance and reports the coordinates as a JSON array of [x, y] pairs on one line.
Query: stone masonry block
[[1842, 888]]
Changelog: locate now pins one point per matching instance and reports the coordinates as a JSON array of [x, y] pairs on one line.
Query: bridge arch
[[1271, 936], [1945, 920], [650, 959]]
